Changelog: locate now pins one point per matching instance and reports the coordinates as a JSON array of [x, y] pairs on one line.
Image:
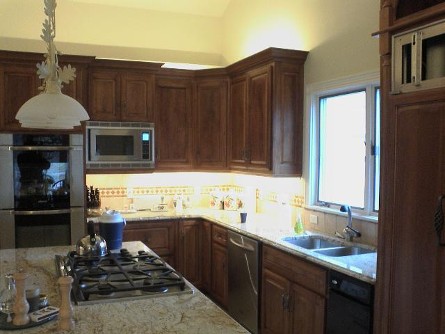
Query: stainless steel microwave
[[118, 145]]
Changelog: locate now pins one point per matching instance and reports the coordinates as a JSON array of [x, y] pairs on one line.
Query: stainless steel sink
[[344, 251], [310, 242]]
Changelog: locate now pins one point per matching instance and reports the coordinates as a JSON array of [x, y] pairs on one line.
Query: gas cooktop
[[120, 276]]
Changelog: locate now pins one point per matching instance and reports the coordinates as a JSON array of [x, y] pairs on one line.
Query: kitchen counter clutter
[[266, 229], [184, 313]]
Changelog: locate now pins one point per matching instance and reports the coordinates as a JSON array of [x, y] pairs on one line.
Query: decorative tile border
[[270, 196]]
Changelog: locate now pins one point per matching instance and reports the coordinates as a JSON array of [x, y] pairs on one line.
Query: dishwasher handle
[[248, 248]]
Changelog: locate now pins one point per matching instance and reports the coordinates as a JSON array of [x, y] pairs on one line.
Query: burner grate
[[122, 275]]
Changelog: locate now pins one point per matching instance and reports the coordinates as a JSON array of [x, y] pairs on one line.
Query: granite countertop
[[187, 313], [266, 229]]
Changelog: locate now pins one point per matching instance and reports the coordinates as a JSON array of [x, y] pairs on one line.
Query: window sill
[[355, 215]]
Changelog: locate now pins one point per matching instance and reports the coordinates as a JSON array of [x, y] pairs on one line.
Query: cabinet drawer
[[295, 269], [158, 236], [219, 235]]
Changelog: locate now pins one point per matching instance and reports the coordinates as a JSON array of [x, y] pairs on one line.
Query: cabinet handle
[[438, 220], [285, 301]]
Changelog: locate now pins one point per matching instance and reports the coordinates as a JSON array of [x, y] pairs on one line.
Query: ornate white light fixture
[[52, 109]]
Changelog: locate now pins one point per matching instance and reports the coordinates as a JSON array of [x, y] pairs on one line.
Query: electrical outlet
[[313, 219]]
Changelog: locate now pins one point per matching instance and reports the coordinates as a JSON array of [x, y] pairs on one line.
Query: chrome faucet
[[349, 231]]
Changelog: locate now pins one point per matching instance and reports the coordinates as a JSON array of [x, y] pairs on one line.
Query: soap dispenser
[[298, 228]]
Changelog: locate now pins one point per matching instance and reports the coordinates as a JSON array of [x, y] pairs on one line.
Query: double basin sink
[[322, 246]]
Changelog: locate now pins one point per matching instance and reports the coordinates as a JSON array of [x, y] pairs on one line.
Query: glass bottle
[[7, 296]]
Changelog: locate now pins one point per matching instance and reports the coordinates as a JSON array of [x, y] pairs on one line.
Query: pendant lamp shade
[[52, 109]]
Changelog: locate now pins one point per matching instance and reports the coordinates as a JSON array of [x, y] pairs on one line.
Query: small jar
[[43, 301]]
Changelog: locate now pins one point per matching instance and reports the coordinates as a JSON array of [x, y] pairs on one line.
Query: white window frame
[[368, 82]]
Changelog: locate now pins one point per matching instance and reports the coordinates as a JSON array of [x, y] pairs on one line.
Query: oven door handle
[[44, 148], [38, 212]]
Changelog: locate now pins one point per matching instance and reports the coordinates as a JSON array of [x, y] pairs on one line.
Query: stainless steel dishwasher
[[243, 259]]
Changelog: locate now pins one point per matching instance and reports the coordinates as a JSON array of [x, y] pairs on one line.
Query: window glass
[[377, 151], [342, 149]]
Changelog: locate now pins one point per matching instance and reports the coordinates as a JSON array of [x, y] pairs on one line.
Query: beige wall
[[113, 32], [336, 32]]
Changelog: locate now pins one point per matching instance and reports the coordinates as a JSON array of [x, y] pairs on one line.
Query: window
[[345, 163]]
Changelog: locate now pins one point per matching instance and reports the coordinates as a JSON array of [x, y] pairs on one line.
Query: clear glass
[[342, 165], [377, 151], [7, 296]]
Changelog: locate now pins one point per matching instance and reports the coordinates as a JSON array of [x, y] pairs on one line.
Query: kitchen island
[[185, 313]]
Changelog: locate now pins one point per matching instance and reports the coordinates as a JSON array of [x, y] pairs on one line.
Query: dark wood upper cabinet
[[410, 293], [266, 113], [210, 123], [121, 94], [237, 132], [173, 122], [408, 7], [246, 117], [19, 82]]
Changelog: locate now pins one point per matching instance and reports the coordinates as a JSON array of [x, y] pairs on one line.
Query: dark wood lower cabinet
[[219, 268], [293, 295], [160, 236], [275, 293], [293, 290], [206, 255], [189, 250]]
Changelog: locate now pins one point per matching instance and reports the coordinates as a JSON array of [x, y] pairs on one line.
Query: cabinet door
[[158, 236], [237, 137], [173, 115], [206, 255], [219, 274], [308, 310], [275, 304], [137, 97], [411, 284], [104, 99], [18, 83], [210, 124], [189, 250], [259, 122]]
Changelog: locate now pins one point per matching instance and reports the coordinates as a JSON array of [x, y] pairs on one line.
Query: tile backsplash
[[281, 197]]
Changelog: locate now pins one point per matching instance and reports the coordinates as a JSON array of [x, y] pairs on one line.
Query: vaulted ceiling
[[214, 8]]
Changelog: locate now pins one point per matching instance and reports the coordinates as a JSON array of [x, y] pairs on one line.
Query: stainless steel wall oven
[[42, 190]]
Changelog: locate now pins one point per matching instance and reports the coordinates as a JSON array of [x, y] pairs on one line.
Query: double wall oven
[[42, 190]]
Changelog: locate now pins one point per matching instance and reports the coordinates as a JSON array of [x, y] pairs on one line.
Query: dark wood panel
[[206, 255], [274, 317], [18, 84], [219, 274], [419, 151], [189, 250], [173, 115], [160, 236], [137, 97], [259, 121], [237, 137], [104, 99], [210, 123]]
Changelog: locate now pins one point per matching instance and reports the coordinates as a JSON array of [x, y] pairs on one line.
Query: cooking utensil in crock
[[92, 244]]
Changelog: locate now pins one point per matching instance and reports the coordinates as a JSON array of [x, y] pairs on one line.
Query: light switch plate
[[313, 219]]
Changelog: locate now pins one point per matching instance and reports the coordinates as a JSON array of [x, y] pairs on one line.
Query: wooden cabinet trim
[[295, 269], [219, 235]]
